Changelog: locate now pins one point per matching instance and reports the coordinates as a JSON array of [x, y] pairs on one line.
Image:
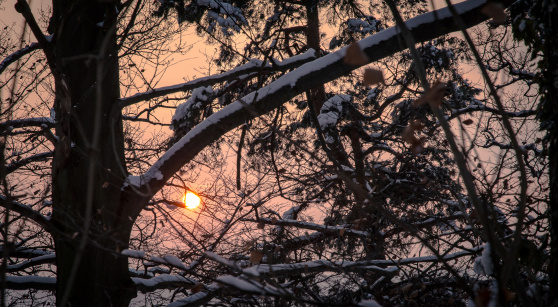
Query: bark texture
[[84, 44]]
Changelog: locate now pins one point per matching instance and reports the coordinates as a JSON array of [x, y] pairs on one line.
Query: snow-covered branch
[[386, 267], [197, 299], [30, 282], [484, 108], [18, 55], [164, 281], [322, 70], [250, 67], [26, 252], [26, 211], [8, 126], [341, 230], [31, 262], [318, 266], [34, 158]]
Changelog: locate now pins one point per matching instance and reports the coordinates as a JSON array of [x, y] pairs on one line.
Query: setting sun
[[191, 200]]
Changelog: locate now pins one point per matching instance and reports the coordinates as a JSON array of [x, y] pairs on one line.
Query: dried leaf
[[434, 96], [261, 225], [341, 232], [105, 185], [467, 122], [414, 294], [417, 144], [409, 135], [256, 256], [372, 76], [496, 11], [406, 287], [248, 245], [273, 220], [416, 124], [417, 147], [355, 56], [197, 288]]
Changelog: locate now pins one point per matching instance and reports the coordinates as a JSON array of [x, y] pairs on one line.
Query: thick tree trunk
[[90, 275], [548, 113]]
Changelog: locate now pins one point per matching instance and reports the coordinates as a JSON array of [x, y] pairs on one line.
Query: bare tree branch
[[250, 67], [28, 213], [18, 55]]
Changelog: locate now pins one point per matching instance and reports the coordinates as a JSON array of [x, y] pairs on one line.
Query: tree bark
[[316, 96], [84, 42], [550, 110]]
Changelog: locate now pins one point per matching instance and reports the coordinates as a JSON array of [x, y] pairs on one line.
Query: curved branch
[[34, 158], [163, 281], [18, 55], [27, 282], [320, 71], [51, 258], [250, 67], [27, 212]]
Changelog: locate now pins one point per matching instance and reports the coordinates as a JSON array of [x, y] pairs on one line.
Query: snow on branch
[[197, 299], [481, 107], [322, 70], [29, 282], [27, 212], [18, 55], [8, 126], [14, 165], [341, 230], [26, 252], [319, 266], [253, 65], [251, 286], [31, 262], [164, 281]]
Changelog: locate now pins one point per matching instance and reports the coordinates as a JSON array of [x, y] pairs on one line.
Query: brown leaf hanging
[[434, 96], [355, 56], [467, 122], [496, 11], [372, 76], [417, 144], [256, 256]]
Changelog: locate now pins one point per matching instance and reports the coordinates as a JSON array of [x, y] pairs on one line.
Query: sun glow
[[191, 200]]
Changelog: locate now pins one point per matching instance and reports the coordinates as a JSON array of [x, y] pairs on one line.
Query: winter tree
[[342, 150]]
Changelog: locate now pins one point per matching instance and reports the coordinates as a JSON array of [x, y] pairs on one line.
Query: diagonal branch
[[250, 67], [28, 213], [18, 55], [320, 71]]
